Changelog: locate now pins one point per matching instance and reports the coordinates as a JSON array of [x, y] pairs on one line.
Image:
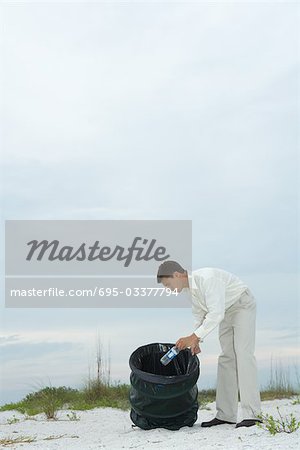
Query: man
[[221, 298]]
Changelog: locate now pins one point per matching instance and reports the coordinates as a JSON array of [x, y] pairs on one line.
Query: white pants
[[237, 369]]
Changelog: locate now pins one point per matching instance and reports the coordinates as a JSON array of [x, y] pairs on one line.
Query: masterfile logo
[[55, 251], [56, 263]]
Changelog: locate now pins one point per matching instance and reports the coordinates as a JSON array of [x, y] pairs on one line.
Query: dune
[[109, 428]]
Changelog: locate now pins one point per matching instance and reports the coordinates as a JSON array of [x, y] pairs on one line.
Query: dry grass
[[5, 442], [50, 438], [16, 440]]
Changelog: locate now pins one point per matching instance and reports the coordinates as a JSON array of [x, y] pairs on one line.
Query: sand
[[108, 428]]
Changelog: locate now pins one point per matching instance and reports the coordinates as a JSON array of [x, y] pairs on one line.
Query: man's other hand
[[195, 350]]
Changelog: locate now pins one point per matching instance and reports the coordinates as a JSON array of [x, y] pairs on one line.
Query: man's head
[[172, 275]]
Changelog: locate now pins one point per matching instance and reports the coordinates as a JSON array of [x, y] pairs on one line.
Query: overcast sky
[[153, 111]]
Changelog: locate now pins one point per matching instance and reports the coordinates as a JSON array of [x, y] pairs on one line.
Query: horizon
[[153, 112]]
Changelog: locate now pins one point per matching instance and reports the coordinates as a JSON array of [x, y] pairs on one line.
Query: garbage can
[[163, 396]]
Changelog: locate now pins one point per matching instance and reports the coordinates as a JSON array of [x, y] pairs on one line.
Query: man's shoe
[[248, 423], [214, 422]]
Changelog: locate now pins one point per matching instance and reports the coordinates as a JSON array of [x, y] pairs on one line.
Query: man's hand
[[195, 350], [191, 341]]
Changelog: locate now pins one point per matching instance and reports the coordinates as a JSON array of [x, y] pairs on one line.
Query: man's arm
[[193, 341], [215, 302], [199, 316]]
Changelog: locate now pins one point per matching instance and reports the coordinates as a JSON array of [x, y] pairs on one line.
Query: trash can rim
[[161, 379]]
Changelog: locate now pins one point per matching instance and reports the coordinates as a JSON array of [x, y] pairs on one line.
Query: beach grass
[[99, 392], [51, 399]]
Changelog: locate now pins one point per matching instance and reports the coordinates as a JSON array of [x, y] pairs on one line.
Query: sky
[[162, 110]]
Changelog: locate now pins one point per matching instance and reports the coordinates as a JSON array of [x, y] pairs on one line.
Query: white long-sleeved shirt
[[212, 292]]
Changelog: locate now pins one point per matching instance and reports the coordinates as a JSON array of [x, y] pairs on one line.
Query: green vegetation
[[280, 385], [12, 420], [209, 395], [273, 394], [99, 392], [96, 394], [50, 399], [206, 396], [287, 424], [73, 416]]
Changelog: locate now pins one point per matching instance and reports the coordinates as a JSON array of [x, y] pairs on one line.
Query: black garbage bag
[[163, 396]]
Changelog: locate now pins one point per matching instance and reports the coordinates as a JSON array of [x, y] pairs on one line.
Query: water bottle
[[169, 355]]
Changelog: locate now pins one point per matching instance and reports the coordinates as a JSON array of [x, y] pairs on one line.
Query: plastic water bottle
[[171, 354]]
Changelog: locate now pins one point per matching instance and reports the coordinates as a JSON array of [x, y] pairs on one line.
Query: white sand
[[111, 429]]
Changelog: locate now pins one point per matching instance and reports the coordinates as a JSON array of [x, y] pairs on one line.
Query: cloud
[[156, 112], [7, 340], [21, 352], [144, 71]]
